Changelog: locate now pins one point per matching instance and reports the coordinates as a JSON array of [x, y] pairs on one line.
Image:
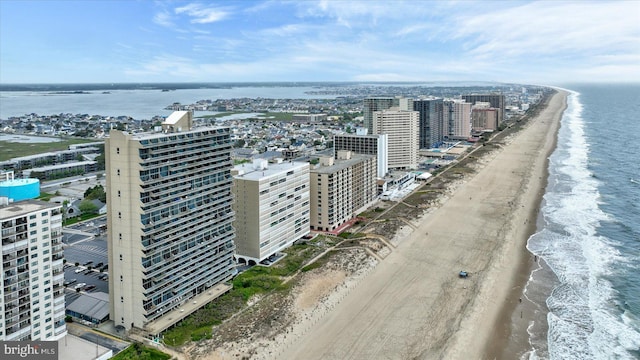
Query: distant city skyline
[[546, 42]]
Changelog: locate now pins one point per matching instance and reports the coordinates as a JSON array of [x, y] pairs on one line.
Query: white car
[[78, 270], [80, 285]]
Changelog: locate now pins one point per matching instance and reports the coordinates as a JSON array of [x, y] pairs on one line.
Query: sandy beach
[[401, 298], [413, 305]]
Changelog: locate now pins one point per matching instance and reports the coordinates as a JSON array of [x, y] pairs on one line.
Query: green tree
[[87, 207], [96, 192]]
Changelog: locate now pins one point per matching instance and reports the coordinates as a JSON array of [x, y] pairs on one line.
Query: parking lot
[[86, 245]]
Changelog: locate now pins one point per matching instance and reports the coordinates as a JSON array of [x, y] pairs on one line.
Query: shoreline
[[511, 339], [413, 304]]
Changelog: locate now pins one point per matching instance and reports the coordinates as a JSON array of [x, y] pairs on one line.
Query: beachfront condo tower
[[401, 128], [496, 101], [341, 188], [170, 233], [432, 129], [458, 119], [32, 304], [372, 104], [271, 206], [361, 143]]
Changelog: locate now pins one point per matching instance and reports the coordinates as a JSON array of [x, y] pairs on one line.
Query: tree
[[87, 207], [96, 192]]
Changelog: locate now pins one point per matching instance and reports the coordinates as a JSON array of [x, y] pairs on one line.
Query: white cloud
[[163, 18], [202, 14]]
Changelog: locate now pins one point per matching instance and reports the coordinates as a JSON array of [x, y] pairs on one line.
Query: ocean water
[[588, 234]]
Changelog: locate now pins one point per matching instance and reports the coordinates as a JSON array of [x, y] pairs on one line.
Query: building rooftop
[[94, 305], [341, 164], [252, 171], [24, 206]]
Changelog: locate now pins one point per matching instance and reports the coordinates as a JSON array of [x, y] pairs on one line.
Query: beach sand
[[413, 305]]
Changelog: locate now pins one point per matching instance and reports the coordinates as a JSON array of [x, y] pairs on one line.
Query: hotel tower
[[170, 233]]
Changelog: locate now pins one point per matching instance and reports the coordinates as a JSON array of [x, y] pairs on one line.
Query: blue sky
[[547, 42]]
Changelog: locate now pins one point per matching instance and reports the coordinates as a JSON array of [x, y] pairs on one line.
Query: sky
[[539, 42]]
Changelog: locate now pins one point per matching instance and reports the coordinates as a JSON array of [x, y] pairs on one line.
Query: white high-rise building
[[272, 207], [402, 130], [361, 143], [170, 233], [32, 304]]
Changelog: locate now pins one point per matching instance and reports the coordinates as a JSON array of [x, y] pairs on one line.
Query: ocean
[[588, 235]]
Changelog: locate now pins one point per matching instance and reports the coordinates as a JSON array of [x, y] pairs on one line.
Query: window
[[117, 150], [118, 193], [118, 172], [119, 215]]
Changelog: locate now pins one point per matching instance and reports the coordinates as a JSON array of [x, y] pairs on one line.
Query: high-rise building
[[401, 127], [170, 233], [432, 128], [484, 117], [271, 206], [458, 117], [372, 104], [32, 304], [496, 101], [361, 143], [341, 188]]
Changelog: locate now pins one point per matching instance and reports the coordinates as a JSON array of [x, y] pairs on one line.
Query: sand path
[[413, 305]]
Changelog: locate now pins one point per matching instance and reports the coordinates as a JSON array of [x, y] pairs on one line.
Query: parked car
[[89, 287], [80, 286], [88, 263], [78, 270], [99, 265], [104, 277], [69, 282]]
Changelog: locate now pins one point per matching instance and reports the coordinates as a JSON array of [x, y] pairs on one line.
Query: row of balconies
[[222, 274], [161, 160], [198, 198], [168, 239], [184, 264], [176, 228], [165, 182]]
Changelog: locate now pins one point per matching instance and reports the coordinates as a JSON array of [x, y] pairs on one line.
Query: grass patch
[[257, 280], [9, 150], [45, 196], [348, 235], [138, 351], [80, 218]]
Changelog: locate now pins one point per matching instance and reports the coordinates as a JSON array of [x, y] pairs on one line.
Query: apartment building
[[432, 125], [458, 118], [341, 188], [401, 127], [484, 118], [170, 233], [496, 101], [361, 143], [32, 303], [271, 206], [373, 104]]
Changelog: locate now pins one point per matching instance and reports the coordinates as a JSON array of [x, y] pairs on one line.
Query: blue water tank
[[20, 189]]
